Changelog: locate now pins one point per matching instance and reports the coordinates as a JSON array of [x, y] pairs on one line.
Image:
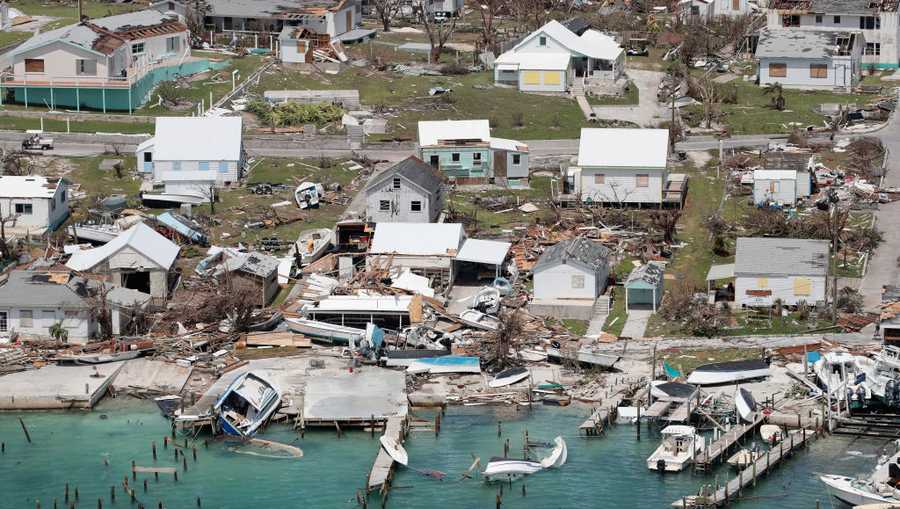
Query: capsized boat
[[394, 450], [729, 372], [857, 492], [312, 244], [307, 194], [487, 300], [324, 331], [246, 405], [558, 455], [479, 320], [680, 445], [508, 469], [745, 404], [509, 377]]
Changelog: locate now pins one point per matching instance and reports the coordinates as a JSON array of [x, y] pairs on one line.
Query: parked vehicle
[[37, 142]]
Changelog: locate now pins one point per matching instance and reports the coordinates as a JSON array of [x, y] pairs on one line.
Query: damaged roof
[[140, 238], [33, 289], [586, 252], [413, 169], [770, 256], [29, 186], [279, 9], [436, 132], [417, 239], [648, 273], [809, 44], [253, 263]]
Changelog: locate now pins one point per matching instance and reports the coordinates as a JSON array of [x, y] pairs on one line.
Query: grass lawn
[[652, 62], [86, 126], [68, 13], [490, 222], [98, 184], [753, 114], [7, 38], [576, 327], [615, 321], [631, 97], [513, 114]]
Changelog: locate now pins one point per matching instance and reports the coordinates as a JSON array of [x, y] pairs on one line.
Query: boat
[[307, 194], [312, 244], [729, 372], [186, 227], [672, 390], [487, 300], [394, 450], [771, 433], [323, 331], [883, 375], [743, 458], [508, 469], [509, 377], [585, 356], [531, 355], [857, 492], [94, 233], [164, 200], [888, 505], [445, 364], [479, 320], [843, 376], [745, 404], [679, 447], [246, 405], [408, 356], [262, 323], [556, 399], [558, 455], [102, 358], [168, 405]]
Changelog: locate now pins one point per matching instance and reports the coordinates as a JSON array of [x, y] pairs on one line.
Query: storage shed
[[644, 287]]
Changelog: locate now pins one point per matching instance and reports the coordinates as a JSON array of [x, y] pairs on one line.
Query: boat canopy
[[678, 429], [254, 391]]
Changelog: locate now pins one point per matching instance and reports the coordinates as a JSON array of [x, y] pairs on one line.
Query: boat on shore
[[247, 404], [842, 376], [479, 320], [324, 332], [730, 372], [101, 358], [394, 450], [509, 377], [771, 433], [312, 244], [745, 404], [307, 194], [680, 445], [585, 356]]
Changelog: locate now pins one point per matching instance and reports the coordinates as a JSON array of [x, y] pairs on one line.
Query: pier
[[725, 442], [383, 469], [606, 412], [733, 489], [869, 425]]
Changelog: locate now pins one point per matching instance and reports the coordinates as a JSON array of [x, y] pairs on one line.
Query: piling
[[67, 493], [112, 493], [198, 502], [372, 425], [2, 447], [153, 447], [133, 471], [25, 430], [176, 475], [437, 424], [54, 502], [194, 452], [499, 430], [165, 442], [184, 462], [145, 485], [99, 503], [156, 476], [37, 504]]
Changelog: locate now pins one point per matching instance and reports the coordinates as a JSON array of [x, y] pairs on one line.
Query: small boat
[[264, 324], [531, 355], [843, 376], [312, 244], [857, 492], [509, 377], [771, 433], [506, 469], [94, 233], [558, 455], [679, 447], [394, 450], [729, 372], [247, 405], [479, 320], [487, 300], [168, 405], [165, 200], [743, 458], [186, 227], [307, 194], [324, 332], [585, 356], [556, 399], [745, 404], [103, 358], [445, 364]]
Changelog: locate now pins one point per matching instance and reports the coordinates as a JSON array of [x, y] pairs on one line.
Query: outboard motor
[[889, 392], [894, 472], [661, 465], [861, 394]]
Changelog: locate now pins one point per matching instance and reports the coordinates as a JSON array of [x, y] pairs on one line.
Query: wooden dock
[[725, 442], [734, 488], [606, 412], [383, 468]]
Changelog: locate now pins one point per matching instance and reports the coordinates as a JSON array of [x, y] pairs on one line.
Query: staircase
[[598, 316]]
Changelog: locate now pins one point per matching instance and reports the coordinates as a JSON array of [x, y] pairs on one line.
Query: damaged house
[[770, 269], [257, 269], [32, 203], [810, 59], [569, 277], [465, 151], [425, 249], [408, 192]]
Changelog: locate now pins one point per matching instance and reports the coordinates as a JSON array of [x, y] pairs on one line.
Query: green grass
[[97, 183], [85, 126], [631, 97], [576, 327], [615, 321], [753, 114], [623, 268], [490, 222], [7, 38], [68, 14]]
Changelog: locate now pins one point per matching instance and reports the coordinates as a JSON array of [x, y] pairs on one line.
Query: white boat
[[558, 455], [173, 198], [843, 376], [97, 233], [743, 458], [745, 404], [729, 372], [487, 300], [586, 356], [531, 355], [307, 194], [324, 331], [312, 244], [479, 320], [771, 433], [505, 469], [509, 377], [883, 375], [857, 492], [679, 447], [246, 405], [394, 450]]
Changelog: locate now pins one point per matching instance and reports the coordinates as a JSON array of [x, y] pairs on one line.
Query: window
[[396, 183], [148, 157], [802, 286], [176, 165], [762, 282], [454, 157], [415, 206], [435, 161], [204, 165], [837, 20], [34, 65], [869, 22], [777, 70], [4, 322], [137, 48], [223, 166], [642, 180], [84, 67], [476, 159], [72, 319], [171, 6], [23, 208], [818, 19], [517, 159], [26, 318], [695, 10], [790, 20], [577, 281], [172, 44], [542, 41], [818, 70], [600, 178], [873, 48], [735, 5], [384, 205]]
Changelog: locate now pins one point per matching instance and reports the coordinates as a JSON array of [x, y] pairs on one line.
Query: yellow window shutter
[[802, 286], [531, 77], [762, 283], [551, 77]]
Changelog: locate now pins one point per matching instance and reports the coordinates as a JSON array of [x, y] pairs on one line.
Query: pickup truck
[[37, 142]]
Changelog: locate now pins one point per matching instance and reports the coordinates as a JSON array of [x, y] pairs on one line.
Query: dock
[[715, 451], [57, 387], [869, 425], [734, 488], [383, 469], [606, 412]]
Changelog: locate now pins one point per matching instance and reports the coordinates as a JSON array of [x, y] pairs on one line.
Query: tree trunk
[[436, 53]]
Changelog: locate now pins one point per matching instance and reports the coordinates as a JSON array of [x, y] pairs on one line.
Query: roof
[[717, 272], [509, 145], [678, 429], [140, 237], [253, 263], [624, 148], [577, 25], [197, 139], [591, 43], [526, 60], [126, 297], [780, 257], [806, 44], [281, 9], [490, 252], [774, 175], [349, 303], [433, 132], [413, 169], [417, 239], [30, 186], [866, 7], [588, 253], [25, 288], [649, 273]]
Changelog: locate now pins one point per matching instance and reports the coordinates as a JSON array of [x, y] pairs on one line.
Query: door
[[435, 161]]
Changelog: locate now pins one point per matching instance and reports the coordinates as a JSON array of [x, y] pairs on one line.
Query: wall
[[724, 8], [840, 73], [59, 61], [40, 217], [516, 170], [785, 191], [43, 318], [556, 283], [155, 48], [465, 167], [620, 185], [543, 81], [289, 53], [400, 204], [781, 287], [231, 175]]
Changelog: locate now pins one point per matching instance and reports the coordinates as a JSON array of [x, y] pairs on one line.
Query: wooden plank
[[283, 339], [154, 470], [658, 408]]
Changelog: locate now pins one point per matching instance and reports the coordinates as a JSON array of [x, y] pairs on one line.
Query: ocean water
[[93, 451]]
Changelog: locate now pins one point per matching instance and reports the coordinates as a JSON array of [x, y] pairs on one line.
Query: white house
[[568, 278], [810, 59], [781, 186], [553, 57], [767, 269], [408, 192], [621, 166], [33, 203], [707, 10], [190, 154], [426, 249], [32, 302], [878, 22], [441, 9]]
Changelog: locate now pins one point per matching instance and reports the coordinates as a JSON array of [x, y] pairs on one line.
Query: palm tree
[[777, 93], [59, 333]]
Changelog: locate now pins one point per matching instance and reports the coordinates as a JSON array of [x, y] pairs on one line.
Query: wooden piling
[[194, 452], [25, 430], [67, 493], [175, 474], [112, 493], [437, 424], [133, 471], [153, 447], [499, 430], [145, 485], [372, 425], [156, 476], [99, 503], [76, 493], [198, 502]]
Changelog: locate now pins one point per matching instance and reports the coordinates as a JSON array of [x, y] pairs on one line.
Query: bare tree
[[489, 9], [510, 328], [100, 310], [864, 154], [665, 221], [711, 98], [439, 32], [386, 11]]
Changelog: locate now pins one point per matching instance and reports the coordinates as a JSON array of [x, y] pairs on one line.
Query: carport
[[644, 287], [476, 253]]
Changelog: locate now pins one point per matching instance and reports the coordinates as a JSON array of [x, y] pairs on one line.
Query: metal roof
[[649, 273], [717, 272], [490, 252], [586, 252], [351, 303], [413, 169], [25, 289], [509, 145], [774, 175], [30, 186], [269, 8], [253, 263], [806, 44], [591, 43], [417, 239], [197, 139], [140, 237], [534, 60], [433, 132], [765, 256], [624, 148]]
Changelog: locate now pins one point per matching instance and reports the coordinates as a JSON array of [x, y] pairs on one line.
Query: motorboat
[[479, 320], [843, 376], [102, 358], [246, 405], [771, 433], [558, 455], [585, 356], [883, 375], [729, 372], [744, 458], [509, 469], [745, 404], [312, 244], [531, 355], [509, 377], [307, 194], [680, 445], [94, 233], [858, 492], [487, 300], [324, 331], [395, 450]]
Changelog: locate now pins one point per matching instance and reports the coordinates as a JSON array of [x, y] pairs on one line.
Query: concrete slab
[[339, 395], [636, 324], [57, 387], [146, 375]]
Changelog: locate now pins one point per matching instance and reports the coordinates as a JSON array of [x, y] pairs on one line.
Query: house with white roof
[[33, 203], [426, 249], [810, 59], [465, 151], [621, 166], [783, 187], [770, 269], [185, 167], [553, 57], [138, 258]]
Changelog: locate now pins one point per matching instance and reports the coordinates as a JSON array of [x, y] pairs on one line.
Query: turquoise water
[[94, 454]]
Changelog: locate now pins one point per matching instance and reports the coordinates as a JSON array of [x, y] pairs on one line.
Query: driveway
[[636, 324], [648, 112]]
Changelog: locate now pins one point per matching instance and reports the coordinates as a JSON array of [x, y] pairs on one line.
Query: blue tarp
[[812, 357], [670, 371]]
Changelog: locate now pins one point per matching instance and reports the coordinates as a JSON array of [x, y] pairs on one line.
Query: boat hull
[[842, 489], [324, 332]]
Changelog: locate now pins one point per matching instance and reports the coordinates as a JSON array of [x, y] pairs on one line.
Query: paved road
[[648, 112]]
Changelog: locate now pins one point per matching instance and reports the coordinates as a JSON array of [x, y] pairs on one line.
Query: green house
[[644, 287]]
